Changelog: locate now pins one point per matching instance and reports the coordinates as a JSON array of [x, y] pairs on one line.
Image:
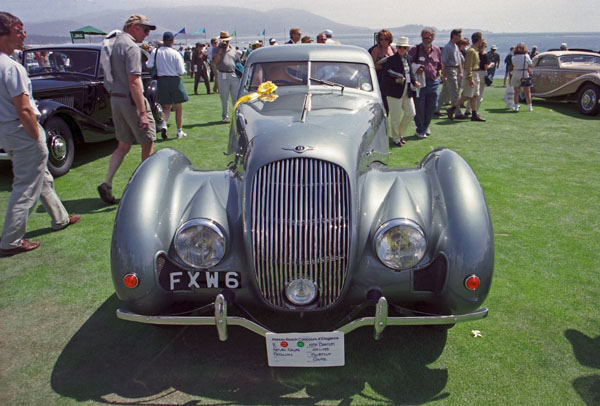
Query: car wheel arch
[[61, 145], [584, 91]]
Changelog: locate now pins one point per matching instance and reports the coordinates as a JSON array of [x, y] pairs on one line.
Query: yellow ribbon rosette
[[265, 92]]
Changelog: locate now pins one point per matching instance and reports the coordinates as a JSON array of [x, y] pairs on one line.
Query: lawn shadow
[[207, 124], [587, 353], [562, 107], [6, 176], [113, 361], [86, 153]]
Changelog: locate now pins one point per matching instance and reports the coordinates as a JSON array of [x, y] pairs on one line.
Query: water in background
[[543, 41]]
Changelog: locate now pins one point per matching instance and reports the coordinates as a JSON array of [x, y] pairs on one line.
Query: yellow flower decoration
[[265, 92]]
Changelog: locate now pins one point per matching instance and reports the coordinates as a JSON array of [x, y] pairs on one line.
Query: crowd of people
[[409, 78]]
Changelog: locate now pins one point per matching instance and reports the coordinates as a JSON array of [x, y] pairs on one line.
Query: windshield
[[65, 60], [346, 74]]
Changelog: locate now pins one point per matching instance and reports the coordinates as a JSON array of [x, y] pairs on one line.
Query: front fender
[[95, 131], [163, 193]]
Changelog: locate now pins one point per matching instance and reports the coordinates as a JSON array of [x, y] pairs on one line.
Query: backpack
[[105, 53]]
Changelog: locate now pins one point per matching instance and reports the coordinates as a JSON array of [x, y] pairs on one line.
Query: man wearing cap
[[131, 111], [199, 62], [493, 56], [169, 67], [452, 72], [272, 41], [329, 37], [24, 140], [225, 60]]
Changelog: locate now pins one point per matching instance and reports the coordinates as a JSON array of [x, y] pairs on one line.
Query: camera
[[394, 74], [223, 45]]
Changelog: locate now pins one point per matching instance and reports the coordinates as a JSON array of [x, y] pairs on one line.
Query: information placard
[[305, 349]]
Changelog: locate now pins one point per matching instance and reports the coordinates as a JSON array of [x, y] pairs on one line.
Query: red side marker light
[[131, 280], [472, 282]]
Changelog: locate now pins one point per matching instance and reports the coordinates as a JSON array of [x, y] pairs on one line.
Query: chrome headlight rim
[[389, 225], [211, 225], [297, 301]]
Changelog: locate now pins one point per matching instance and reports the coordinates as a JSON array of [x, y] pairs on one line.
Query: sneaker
[[450, 112], [164, 131], [477, 117], [427, 131], [516, 108], [225, 119], [181, 134], [106, 195], [421, 136], [530, 108]]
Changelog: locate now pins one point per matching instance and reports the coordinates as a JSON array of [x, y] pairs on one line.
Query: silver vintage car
[[308, 220]]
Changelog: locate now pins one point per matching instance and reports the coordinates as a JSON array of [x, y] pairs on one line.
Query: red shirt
[[432, 62]]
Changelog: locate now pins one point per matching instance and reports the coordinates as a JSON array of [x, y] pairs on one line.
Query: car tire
[[61, 148], [587, 99]]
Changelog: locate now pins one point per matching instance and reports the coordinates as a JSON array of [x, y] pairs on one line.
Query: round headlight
[[200, 243], [301, 291], [400, 244]]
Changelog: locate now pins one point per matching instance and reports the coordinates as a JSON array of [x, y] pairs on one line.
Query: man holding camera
[[225, 60]]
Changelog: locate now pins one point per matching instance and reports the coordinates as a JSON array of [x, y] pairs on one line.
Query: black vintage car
[[68, 86]]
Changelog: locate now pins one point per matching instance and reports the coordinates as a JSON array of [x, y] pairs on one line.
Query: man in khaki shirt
[[470, 83]]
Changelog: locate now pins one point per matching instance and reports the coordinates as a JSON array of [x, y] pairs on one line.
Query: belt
[[226, 71], [123, 95], [448, 66]]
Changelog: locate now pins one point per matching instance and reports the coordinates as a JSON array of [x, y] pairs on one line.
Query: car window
[[354, 75], [548, 61], [69, 60], [580, 60]]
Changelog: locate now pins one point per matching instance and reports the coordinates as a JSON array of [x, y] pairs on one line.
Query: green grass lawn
[[61, 342]]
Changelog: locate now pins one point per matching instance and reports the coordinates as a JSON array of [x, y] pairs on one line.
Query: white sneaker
[[516, 108], [421, 136], [530, 107], [427, 131], [181, 134], [164, 131]]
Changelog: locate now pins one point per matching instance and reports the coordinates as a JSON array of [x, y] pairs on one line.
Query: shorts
[[171, 90], [469, 91], [125, 118], [516, 80]]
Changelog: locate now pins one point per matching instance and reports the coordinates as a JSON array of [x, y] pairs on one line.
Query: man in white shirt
[[169, 67]]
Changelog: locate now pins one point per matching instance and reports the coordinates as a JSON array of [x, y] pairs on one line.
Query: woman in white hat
[[398, 77]]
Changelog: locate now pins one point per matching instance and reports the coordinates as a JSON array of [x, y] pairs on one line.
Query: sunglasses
[[145, 28], [384, 39], [427, 37], [20, 32]]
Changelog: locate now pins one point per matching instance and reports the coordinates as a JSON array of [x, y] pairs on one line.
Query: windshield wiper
[[328, 83]]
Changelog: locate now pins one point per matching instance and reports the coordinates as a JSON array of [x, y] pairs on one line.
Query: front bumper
[[379, 321]]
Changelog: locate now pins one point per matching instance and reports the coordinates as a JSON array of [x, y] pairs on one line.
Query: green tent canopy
[[80, 33]]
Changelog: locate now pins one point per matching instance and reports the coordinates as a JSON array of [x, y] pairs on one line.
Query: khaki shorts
[[469, 91], [126, 119]]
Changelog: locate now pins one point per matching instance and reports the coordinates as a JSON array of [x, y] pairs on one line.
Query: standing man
[[494, 57], [295, 36], [471, 80], [169, 67], [199, 61], [452, 70], [508, 66], [429, 57], [24, 140], [131, 112], [212, 51], [225, 60], [321, 38]]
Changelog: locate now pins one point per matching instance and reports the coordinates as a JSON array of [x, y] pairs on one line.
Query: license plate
[[305, 349], [188, 280]]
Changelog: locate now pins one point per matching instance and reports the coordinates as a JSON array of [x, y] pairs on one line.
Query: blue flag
[[263, 32], [202, 31], [181, 31]]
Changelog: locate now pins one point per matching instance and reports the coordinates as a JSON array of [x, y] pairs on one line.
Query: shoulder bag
[[526, 82]]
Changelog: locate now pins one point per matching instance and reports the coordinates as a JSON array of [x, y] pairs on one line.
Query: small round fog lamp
[[301, 291]]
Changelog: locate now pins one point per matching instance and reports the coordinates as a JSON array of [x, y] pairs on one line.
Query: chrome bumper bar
[[379, 321]]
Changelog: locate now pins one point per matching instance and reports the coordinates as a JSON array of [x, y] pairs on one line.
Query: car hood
[[48, 83], [338, 127]]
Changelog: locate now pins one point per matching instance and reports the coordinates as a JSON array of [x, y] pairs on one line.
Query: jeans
[[426, 104]]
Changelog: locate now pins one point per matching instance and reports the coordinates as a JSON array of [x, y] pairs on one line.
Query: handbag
[[153, 69], [526, 82]]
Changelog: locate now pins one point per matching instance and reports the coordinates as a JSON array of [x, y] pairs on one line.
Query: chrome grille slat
[[300, 224]]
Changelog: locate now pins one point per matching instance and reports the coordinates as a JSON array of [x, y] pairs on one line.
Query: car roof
[[563, 53], [306, 52], [65, 46]]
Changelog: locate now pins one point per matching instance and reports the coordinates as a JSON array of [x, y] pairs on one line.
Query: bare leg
[[178, 115], [147, 150], [116, 160]]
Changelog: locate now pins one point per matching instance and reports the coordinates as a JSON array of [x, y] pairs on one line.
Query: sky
[[489, 15], [496, 15]]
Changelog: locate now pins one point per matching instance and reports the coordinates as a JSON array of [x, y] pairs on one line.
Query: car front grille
[[300, 227]]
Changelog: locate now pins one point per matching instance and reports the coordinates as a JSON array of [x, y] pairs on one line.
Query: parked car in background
[[67, 83], [307, 221], [568, 75]]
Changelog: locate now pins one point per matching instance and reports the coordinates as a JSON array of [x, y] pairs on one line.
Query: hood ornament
[[299, 149]]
